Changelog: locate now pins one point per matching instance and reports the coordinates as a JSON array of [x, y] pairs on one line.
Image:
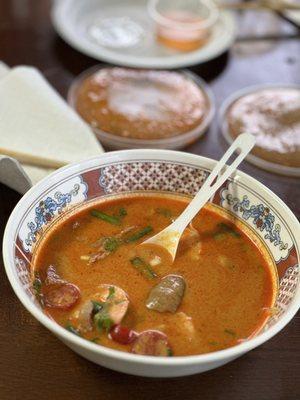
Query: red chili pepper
[[122, 335]]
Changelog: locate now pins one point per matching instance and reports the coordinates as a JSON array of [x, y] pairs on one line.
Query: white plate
[[73, 19]]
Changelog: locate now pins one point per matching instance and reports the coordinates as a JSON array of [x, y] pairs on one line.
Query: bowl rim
[[117, 140], [66, 336], [253, 159]]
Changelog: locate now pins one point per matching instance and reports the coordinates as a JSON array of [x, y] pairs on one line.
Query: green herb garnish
[[105, 217], [169, 352], [103, 321], [37, 285], [95, 340], [223, 229], [111, 293], [71, 329], [122, 212], [136, 236], [143, 267], [97, 306], [111, 244], [220, 236], [230, 332], [164, 211]]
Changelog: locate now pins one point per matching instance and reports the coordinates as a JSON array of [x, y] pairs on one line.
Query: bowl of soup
[[272, 114], [73, 255]]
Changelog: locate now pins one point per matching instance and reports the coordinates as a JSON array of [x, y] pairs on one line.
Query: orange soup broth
[[230, 287]]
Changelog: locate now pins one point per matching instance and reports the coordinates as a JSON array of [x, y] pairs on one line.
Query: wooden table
[[33, 363]]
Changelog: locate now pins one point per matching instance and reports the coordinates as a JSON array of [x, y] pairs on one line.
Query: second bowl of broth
[[130, 108]]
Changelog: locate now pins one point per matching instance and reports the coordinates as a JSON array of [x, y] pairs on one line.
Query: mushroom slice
[[167, 294]]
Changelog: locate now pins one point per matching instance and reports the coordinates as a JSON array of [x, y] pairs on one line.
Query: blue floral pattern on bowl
[[46, 210], [261, 217], [52, 204]]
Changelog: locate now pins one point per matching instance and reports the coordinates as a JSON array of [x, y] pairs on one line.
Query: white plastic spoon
[[170, 236]]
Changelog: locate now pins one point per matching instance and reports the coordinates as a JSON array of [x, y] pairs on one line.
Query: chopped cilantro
[[122, 212], [230, 332], [169, 352], [143, 267], [71, 329], [166, 212], [220, 236], [97, 306], [111, 244], [111, 292], [37, 285], [105, 217], [136, 236], [103, 321], [95, 339], [225, 228]]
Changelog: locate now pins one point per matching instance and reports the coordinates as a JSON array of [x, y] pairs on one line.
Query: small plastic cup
[[183, 25]]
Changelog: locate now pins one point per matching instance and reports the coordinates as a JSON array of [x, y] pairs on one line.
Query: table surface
[[36, 364]]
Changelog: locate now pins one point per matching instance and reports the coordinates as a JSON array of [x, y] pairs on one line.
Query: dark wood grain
[[33, 363]]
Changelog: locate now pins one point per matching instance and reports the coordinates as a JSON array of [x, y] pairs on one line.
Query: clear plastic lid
[[254, 159], [114, 141]]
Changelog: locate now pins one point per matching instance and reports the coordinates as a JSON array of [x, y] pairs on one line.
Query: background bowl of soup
[[133, 108], [249, 204]]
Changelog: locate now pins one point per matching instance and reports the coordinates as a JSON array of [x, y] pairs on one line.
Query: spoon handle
[[217, 177]]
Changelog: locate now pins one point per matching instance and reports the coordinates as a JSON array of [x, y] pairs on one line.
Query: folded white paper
[[36, 121]]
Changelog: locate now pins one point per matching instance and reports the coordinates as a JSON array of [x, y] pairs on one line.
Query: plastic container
[[259, 162], [113, 141], [183, 25]]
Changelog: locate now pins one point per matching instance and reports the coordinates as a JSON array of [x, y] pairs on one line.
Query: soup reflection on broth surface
[[92, 277]]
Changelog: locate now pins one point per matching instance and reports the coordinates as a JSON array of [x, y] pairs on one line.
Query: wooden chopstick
[[268, 37], [37, 161], [287, 19], [260, 5]]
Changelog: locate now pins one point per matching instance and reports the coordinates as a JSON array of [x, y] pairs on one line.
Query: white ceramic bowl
[[152, 170]]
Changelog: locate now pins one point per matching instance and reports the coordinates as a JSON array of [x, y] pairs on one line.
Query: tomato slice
[[152, 343], [122, 334], [62, 295]]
